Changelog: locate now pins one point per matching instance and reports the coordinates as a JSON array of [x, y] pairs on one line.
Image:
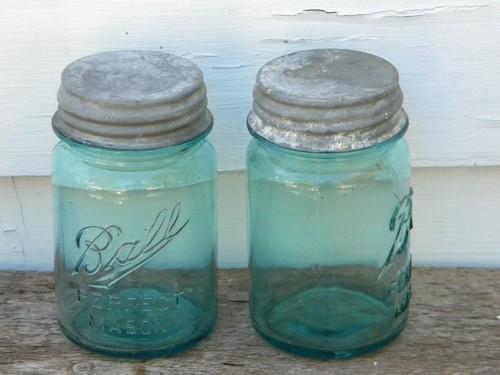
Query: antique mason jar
[[329, 203], [134, 184]]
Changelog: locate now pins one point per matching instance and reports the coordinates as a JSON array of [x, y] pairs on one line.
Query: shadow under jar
[[330, 203], [134, 204]]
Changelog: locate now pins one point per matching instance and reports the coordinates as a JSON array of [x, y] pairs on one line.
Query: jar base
[[141, 330], [330, 323], [138, 353]]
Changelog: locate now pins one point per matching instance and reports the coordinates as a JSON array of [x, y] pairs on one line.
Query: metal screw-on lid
[[132, 100], [327, 100]]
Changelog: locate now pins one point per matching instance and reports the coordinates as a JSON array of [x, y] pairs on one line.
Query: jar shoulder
[[128, 170], [266, 161]]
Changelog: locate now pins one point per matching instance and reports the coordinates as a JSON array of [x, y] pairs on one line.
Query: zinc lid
[[327, 100], [132, 100]]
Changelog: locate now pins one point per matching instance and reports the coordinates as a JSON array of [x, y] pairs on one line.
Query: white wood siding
[[446, 51], [456, 219]]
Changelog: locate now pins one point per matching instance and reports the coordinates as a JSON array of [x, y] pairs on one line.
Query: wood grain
[[446, 52], [454, 328]]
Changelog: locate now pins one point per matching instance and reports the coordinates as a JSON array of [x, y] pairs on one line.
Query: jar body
[[135, 237], [329, 247]]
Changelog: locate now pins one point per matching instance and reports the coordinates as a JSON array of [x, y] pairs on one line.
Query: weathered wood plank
[[454, 328]]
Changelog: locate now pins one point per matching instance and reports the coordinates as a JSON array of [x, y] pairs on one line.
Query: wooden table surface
[[454, 328]]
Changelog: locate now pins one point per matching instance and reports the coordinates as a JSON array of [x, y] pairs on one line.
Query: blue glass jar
[[134, 204], [329, 204]]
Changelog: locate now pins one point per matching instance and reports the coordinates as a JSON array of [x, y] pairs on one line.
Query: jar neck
[[366, 155], [132, 159]]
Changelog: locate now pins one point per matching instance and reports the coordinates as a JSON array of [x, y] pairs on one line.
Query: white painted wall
[[447, 52], [456, 219]]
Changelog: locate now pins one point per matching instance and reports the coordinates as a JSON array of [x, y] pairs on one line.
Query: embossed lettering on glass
[[330, 203], [134, 187]]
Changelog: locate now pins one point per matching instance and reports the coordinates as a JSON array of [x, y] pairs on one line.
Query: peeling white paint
[[37, 115], [484, 117], [320, 40], [200, 55], [417, 12], [6, 228], [445, 51], [233, 66]]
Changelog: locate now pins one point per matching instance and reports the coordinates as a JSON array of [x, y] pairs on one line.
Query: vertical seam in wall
[[21, 214]]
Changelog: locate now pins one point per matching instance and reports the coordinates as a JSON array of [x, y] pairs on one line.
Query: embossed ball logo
[[106, 260]]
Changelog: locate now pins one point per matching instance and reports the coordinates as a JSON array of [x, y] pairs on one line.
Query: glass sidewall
[[339, 222], [135, 236]]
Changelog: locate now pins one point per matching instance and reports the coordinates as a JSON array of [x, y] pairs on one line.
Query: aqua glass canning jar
[[134, 204], [330, 203]]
